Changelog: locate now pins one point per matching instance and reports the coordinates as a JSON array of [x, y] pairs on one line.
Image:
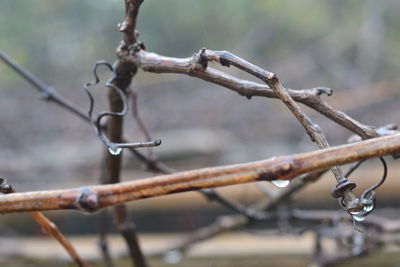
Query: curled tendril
[[368, 197], [113, 147]]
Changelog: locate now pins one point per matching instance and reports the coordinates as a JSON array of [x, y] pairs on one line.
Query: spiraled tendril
[[113, 147]]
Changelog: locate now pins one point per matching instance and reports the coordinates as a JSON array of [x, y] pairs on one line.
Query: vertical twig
[[113, 162], [103, 242], [123, 74]]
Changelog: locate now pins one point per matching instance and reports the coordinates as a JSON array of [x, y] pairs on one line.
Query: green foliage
[[60, 40]]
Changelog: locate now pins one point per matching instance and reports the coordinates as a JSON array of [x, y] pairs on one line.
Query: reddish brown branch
[[93, 198], [128, 27], [123, 73], [52, 230]]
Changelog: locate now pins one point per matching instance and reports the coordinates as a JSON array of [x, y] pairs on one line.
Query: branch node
[[88, 201], [340, 188], [203, 59], [47, 94], [281, 170], [5, 187], [224, 62], [324, 90], [271, 80]]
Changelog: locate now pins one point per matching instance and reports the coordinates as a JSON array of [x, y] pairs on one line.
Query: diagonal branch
[[47, 226], [352, 203], [232, 222], [92, 198], [48, 92]]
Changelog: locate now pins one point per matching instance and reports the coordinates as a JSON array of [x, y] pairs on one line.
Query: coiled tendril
[[113, 147], [368, 197]]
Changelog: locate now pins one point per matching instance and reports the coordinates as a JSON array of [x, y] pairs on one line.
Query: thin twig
[[233, 222], [48, 92], [48, 227], [352, 203]]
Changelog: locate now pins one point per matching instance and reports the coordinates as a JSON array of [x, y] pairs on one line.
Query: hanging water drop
[[354, 213], [359, 218], [368, 208], [173, 257], [114, 150], [280, 183]]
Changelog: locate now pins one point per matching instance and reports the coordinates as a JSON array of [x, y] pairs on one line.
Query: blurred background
[[349, 46]]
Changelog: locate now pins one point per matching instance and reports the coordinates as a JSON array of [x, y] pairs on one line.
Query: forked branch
[[196, 66]]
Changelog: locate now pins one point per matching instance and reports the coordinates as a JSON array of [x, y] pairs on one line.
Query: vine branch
[[93, 198], [196, 67]]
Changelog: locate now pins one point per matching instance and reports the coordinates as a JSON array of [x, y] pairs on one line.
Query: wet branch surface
[[84, 196], [308, 167], [93, 198], [85, 200]]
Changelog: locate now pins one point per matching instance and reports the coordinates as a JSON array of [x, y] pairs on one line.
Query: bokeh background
[[349, 46]]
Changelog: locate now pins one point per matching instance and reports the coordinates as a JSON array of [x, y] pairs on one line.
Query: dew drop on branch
[[368, 208], [281, 183], [114, 150], [358, 218]]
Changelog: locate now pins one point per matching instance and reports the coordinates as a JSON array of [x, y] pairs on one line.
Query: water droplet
[[369, 208], [173, 257], [359, 218], [114, 150], [281, 183], [355, 213]]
